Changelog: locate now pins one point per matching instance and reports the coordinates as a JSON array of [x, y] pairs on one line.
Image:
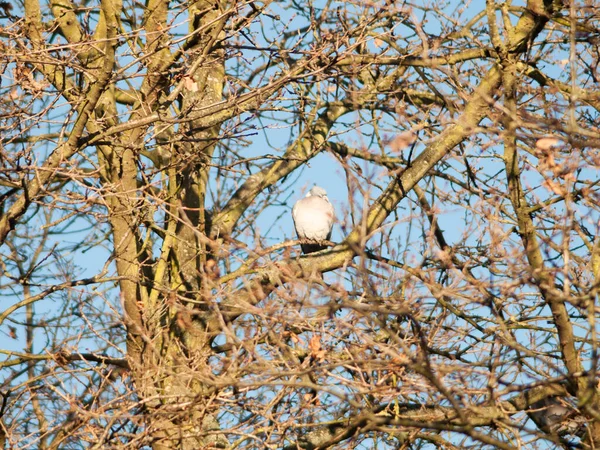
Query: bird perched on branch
[[313, 219], [555, 414]]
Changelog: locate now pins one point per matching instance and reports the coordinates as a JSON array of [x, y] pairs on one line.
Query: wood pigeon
[[313, 219], [553, 414]]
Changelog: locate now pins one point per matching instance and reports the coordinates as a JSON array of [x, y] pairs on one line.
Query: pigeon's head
[[317, 191]]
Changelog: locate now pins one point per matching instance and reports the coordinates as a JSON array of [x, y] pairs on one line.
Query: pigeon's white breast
[[313, 218]]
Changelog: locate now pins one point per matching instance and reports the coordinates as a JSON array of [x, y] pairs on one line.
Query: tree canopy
[[153, 291]]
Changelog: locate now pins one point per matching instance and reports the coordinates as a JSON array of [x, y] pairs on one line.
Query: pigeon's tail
[[311, 248]]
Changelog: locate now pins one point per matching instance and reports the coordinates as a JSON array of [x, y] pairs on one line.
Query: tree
[[154, 295]]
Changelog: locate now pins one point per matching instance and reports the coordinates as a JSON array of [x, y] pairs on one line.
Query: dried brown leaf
[[546, 143]]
